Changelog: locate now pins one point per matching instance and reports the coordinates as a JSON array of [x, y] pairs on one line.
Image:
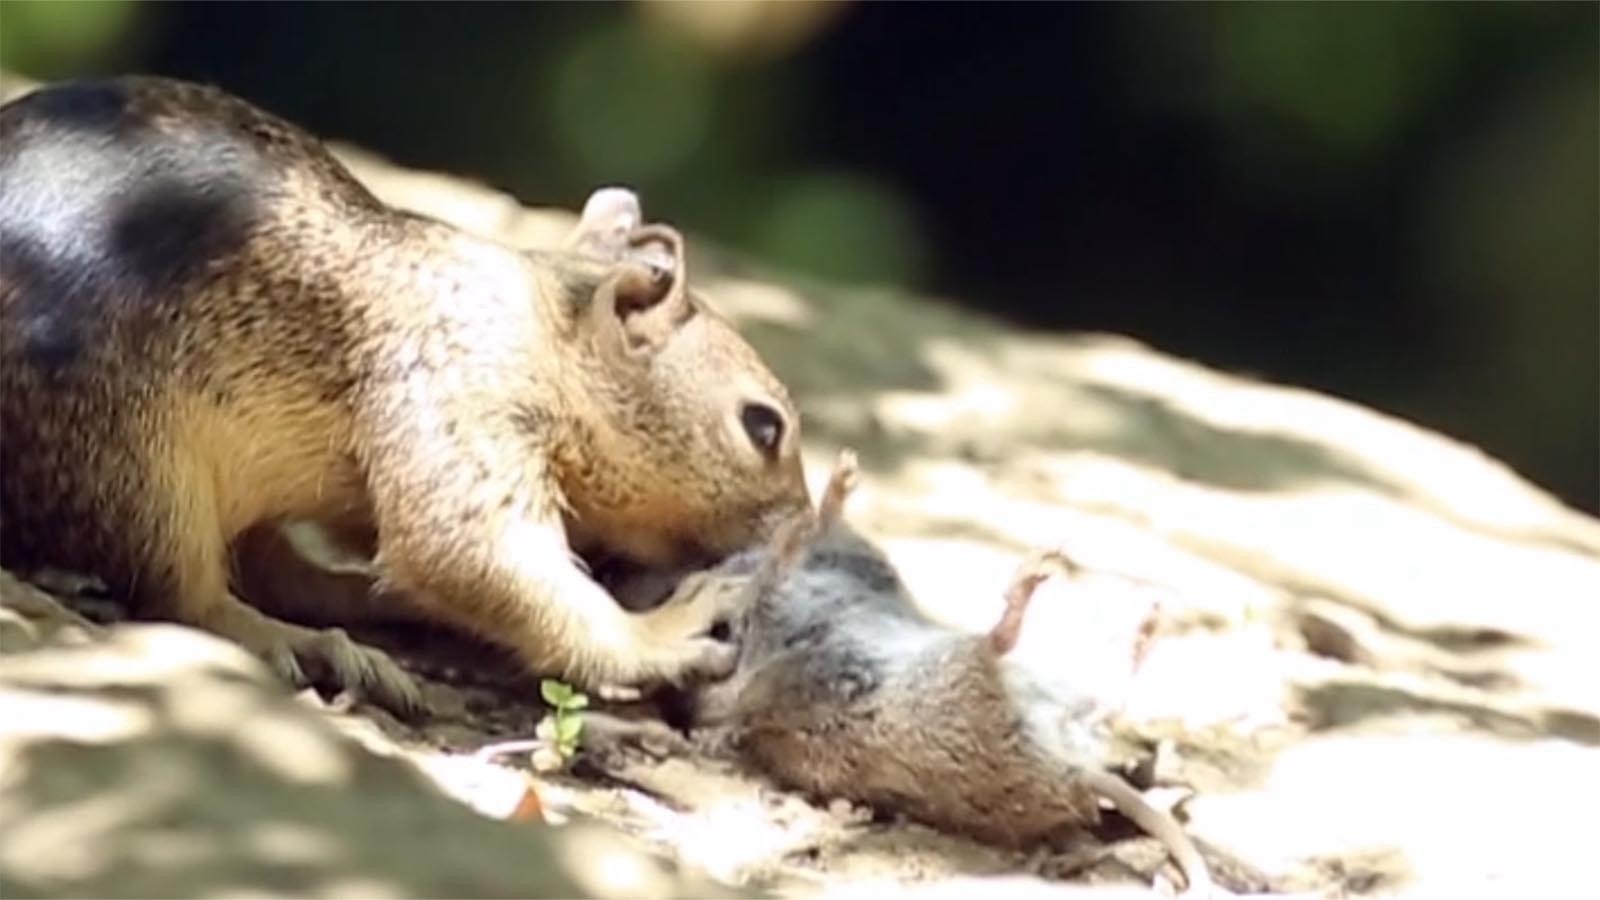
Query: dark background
[[1396, 203]]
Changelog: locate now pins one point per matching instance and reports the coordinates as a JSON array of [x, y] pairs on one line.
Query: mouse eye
[[764, 426]]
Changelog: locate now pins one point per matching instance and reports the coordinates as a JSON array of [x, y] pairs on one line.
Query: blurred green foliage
[[1351, 82], [1398, 202], [615, 84], [55, 38]]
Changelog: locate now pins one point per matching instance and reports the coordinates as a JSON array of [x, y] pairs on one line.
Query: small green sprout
[[560, 729]]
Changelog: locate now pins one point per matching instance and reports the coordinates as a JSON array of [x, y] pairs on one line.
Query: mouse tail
[[1159, 825]]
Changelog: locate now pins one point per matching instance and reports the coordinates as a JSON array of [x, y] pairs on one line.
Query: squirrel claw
[[618, 693]]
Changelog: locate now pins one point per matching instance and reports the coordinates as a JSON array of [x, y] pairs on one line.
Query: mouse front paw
[[611, 742]]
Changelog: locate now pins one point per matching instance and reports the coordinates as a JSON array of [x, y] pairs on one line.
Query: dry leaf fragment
[[529, 808]]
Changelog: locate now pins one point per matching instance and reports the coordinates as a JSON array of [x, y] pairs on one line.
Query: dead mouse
[[844, 689]]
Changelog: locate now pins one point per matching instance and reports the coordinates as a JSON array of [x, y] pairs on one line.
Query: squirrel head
[[684, 446]]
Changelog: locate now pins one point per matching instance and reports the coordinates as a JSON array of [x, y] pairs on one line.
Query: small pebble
[[547, 759]]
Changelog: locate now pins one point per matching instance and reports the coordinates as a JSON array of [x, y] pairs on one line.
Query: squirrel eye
[[764, 425]]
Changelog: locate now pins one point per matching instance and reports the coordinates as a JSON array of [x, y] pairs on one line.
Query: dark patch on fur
[[875, 575], [856, 682], [811, 635], [169, 229], [49, 335], [680, 708], [91, 106], [528, 418], [112, 248]]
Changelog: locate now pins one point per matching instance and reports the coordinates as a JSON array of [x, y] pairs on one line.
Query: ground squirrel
[[845, 690], [209, 324]]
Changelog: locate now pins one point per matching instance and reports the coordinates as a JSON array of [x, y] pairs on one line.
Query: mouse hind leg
[[842, 482], [1033, 572]]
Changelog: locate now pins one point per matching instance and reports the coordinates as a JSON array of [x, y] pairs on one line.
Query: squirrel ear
[[649, 295], [609, 216]]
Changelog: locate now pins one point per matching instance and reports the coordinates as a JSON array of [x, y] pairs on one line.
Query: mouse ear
[[609, 216], [648, 297]]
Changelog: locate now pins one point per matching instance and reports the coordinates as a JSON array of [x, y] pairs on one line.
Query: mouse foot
[[1061, 866], [1034, 570], [612, 742]]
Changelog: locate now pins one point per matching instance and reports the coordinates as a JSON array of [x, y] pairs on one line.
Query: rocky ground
[[1375, 669]]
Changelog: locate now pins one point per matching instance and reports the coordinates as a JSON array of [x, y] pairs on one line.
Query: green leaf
[[578, 701], [568, 729], [554, 692]]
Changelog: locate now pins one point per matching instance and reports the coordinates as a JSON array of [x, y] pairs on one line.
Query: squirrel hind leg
[[192, 557], [321, 656]]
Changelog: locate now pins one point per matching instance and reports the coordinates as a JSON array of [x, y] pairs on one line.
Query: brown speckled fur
[[208, 324]]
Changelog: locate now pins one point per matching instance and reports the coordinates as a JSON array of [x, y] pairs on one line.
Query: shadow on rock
[[160, 762], [1346, 704]]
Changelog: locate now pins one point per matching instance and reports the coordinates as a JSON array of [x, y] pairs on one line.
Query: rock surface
[[1376, 669], [157, 761]]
